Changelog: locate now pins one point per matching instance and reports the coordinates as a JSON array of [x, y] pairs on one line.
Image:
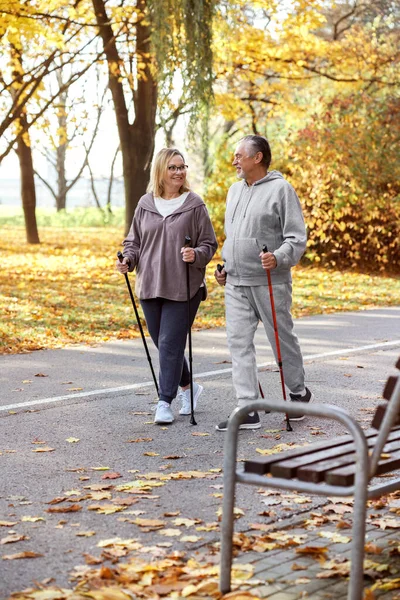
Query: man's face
[[243, 161]]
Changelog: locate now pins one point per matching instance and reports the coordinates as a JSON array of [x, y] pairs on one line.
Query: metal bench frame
[[361, 490]]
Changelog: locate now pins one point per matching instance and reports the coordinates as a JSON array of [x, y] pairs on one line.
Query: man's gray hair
[[259, 143]]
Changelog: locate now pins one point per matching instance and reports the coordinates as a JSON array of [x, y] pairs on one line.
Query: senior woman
[[164, 216]]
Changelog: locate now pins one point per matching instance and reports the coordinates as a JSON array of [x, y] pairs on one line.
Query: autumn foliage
[[66, 290], [344, 165]]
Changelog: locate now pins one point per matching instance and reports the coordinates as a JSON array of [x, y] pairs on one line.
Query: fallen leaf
[[105, 509], [149, 523], [190, 538], [43, 449], [85, 533], [138, 440], [72, 440], [11, 539], [41, 375], [9, 523], [170, 532], [75, 389], [32, 519], [199, 434], [371, 548], [65, 509], [384, 523], [100, 468], [150, 454], [111, 475], [27, 554], [186, 522], [92, 560], [336, 538], [315, 551], [173, 457]]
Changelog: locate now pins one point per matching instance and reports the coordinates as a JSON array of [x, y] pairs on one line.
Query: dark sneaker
[[252, 421], [306, 399]]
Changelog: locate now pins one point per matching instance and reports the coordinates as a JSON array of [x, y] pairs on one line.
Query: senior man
[[262, 210]]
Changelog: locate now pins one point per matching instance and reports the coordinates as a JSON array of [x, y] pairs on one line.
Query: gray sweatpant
[[246, 306]]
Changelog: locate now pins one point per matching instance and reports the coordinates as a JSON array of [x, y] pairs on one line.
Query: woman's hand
[[122, 267], [188, 255]]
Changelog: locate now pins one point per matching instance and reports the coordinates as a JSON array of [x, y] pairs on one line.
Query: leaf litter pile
[[127, 568], [66, 290]]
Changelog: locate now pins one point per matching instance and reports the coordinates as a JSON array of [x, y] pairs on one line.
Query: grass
[[66, 290], [78, 217]]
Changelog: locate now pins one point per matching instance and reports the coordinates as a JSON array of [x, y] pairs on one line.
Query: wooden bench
[[342, 466]]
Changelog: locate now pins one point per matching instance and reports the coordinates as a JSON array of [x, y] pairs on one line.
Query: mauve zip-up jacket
[[153, 245], [265, 213]]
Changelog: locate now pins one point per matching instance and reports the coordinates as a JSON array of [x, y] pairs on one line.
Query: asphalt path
[[91, 405]]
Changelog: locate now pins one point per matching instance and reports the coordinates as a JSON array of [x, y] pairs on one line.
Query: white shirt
[[166, 207]]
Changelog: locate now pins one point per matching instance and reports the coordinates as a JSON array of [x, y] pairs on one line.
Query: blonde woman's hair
[[159, 170]]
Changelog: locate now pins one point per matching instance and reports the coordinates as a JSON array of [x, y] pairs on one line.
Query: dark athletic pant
[[167, 322]]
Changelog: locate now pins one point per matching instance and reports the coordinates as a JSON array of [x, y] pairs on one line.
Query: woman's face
[[175, 174]]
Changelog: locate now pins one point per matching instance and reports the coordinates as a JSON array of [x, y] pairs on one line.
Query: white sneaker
[[184, 396], [163, 413]]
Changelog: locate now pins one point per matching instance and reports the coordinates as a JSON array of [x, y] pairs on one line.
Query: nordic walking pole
[[121, 258], [188, 244], [219, 269], [278, 346]]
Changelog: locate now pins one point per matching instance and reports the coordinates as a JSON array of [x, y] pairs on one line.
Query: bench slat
[[288, 467], [318, 472], [379, 415], [345, 476], [262, 466], [389, 387]]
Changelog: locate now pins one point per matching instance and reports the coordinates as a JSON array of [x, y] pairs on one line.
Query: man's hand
[[188, 254], [268, 261], [122, 267], [220, 276]]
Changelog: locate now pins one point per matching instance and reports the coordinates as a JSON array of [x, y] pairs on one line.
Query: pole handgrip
[[265, 249], [188, 242], [120, 256], [219, 268]]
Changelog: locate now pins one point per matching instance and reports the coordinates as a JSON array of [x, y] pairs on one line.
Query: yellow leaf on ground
[[336, 538], [170, 532], [43, 449], [72, 440]]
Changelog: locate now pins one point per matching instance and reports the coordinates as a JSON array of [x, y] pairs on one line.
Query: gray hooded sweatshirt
[[154, 243], [267, 212]]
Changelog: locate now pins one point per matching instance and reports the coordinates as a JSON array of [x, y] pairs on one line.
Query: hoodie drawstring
[[248, 201]]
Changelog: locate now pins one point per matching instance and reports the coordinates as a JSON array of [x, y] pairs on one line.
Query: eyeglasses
[[174, 168]]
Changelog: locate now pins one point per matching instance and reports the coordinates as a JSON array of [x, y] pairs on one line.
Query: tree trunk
[[61, 198], [137, 139], [61, 149], [28, 192], [24, 152]]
